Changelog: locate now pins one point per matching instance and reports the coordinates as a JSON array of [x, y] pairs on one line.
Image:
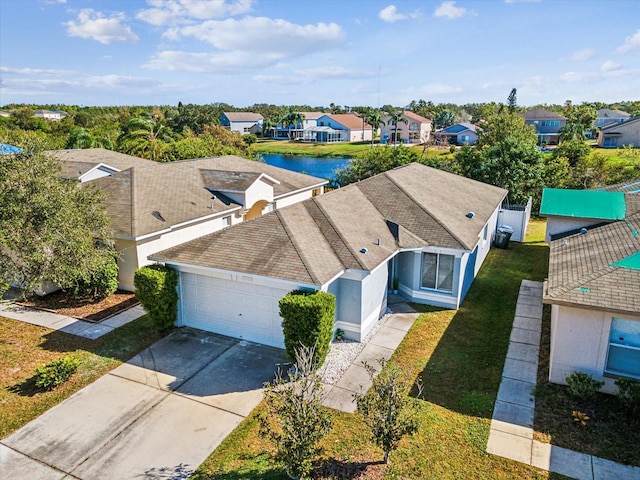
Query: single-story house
[[458, 134], [414, 129], [154, 206], [339, 127], [242, 122], [607, 116], [548, 124], [53, 115], [429, 229], [620, 134], [593, 286]]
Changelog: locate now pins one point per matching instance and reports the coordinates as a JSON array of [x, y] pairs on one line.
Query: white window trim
[[453, 271]]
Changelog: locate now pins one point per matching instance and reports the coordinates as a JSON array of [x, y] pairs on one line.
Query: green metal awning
[[596, 204]]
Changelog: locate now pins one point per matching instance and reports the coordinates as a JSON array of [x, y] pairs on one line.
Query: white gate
[[517, 217]]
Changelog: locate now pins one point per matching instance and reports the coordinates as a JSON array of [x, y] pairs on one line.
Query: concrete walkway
[[69, 325], [356, 379], [511, 434], [159, 415]]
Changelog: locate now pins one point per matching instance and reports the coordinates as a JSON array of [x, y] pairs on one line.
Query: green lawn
[[459, 355], [338, 149], [23, 347]]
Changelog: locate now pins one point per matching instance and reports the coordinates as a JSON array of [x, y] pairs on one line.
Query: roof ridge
[[337, 233], [295, 247], [435, 217]]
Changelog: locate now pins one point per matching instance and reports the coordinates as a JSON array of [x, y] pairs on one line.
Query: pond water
[[321, 167]]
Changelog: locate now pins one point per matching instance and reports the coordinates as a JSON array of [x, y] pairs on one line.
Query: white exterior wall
[[127, 263], [579, 341], [260, 190], [287, 200], [557, 224], [356, 135], [484, 245], [240, 126], [374, 298]]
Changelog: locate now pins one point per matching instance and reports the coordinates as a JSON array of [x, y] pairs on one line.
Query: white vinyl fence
[[517, 217]]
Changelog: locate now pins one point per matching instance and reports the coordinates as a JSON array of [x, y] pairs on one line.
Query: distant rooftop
[[583, 204]]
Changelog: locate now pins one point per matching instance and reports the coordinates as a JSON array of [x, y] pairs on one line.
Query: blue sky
[[347, 52]]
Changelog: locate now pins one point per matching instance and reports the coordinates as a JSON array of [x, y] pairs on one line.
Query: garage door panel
[[236, 309]]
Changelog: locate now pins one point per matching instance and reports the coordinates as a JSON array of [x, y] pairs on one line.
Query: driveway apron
[[161, 413]]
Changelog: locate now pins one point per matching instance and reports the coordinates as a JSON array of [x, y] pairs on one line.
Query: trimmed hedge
[[156, 288], [307, 319]]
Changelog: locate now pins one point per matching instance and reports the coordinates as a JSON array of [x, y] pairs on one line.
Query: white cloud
[[335, 72], [583, 55], [522, 1], [449, 10], [216, 63], [431, 89], [390, 14], [630, 43], [166, 12], [95, 26], [610, 66], [262, 34], [283, 79], [35, 71]]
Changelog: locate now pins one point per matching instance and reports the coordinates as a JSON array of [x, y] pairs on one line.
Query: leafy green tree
[[294, 420], [387, 409], [50, 228], [144, 137], [445, 118], [573, 150], [556, 171], [505, 155], [376, 160]]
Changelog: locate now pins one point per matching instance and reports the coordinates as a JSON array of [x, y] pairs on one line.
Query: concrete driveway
[[157, 416]]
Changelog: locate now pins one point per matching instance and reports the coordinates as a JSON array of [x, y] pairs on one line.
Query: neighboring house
[[154, 206], [414, 129], [242, 122], [594, 284], [548, 124], [606, 116], [310, 120], [5, 114], [53, 115], [458, 134], [620, 134], [429, 229], [339, 127]]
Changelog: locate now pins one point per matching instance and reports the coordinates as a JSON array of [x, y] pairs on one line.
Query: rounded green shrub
[[101, 282], [56, 372], [156, 288], [582, 385]]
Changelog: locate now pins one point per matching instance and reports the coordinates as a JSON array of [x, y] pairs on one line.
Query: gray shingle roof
[[580, 271], [325, 235], [542, 114], [179, 191], [243, 116]]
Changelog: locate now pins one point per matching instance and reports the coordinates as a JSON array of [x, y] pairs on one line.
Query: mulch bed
[[88, 309]]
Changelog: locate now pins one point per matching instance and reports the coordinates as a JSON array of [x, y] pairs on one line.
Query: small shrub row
[[56, 372], [583, 386]]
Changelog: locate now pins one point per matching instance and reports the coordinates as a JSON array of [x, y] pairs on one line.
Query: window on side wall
[[226, 221], [623, 355], [437, 271]]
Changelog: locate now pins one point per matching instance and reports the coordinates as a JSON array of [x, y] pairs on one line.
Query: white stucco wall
[[356, 135], [286, 200], [127, 263], [579, 341]]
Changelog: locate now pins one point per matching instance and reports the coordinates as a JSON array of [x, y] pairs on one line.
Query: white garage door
[[233, 308]]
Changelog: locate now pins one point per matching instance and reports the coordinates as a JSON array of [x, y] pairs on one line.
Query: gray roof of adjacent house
[[542, 114], [312, 115], [177, 192], [615, 127], [458, 128], [613, 114], [243, 116], [599, 269], [313, 241]]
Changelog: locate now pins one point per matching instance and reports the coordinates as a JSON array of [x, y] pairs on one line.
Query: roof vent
[[379, 242], [363, 250], [470, 215], [583, 231]]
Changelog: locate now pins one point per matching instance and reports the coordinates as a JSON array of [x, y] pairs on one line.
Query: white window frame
[[437, 286], [226, 221], [625, 347]]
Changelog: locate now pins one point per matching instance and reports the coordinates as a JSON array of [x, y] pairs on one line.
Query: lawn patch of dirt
[[88, 309]]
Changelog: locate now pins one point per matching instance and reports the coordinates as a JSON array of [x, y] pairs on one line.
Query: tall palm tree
[[292, 119], [374, 118], [396, 117], [571, 131], [145, 137]]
